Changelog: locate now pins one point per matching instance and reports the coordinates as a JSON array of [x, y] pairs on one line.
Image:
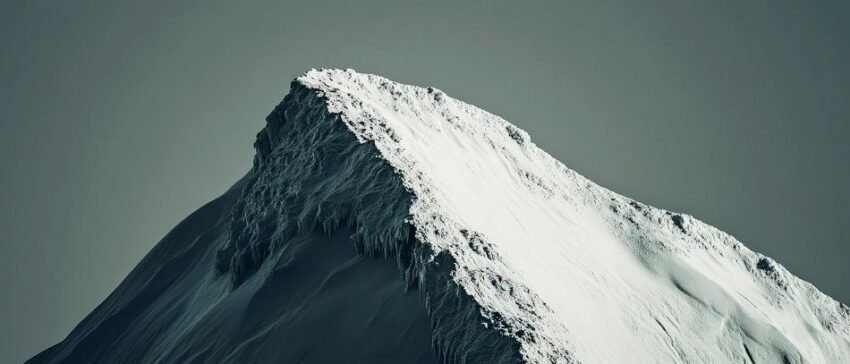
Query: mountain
[[384, 222]]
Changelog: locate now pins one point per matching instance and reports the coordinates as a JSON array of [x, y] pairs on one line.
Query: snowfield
[[578, 272], [503, 254]]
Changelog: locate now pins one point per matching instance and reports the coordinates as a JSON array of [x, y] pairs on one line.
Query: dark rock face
[[308, 258], [319, 301], [311, 174]]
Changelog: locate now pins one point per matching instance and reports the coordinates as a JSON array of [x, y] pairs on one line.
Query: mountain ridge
[[514, 256]]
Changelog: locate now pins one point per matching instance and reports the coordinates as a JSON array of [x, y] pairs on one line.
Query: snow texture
[[571, 270], [512, 257]]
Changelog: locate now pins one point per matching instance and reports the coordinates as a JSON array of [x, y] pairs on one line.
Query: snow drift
[[496, 252]]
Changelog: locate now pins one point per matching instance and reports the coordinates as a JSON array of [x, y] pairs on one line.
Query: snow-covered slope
[[572, 270], [513, 257]]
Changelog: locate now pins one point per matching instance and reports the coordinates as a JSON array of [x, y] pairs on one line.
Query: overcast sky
[[119, 119]]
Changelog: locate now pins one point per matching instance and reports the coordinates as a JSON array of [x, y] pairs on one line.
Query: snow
[[502, 254], [586, 274]]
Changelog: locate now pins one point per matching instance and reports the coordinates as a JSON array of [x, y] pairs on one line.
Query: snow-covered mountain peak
[[498, 254]]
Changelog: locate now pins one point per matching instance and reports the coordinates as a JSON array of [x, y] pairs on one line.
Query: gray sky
[[121, 119]]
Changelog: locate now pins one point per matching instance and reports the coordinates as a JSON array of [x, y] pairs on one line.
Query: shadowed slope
[[323, 303]]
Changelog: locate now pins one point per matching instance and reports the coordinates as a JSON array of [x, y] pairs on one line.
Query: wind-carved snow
[[570, 270]]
